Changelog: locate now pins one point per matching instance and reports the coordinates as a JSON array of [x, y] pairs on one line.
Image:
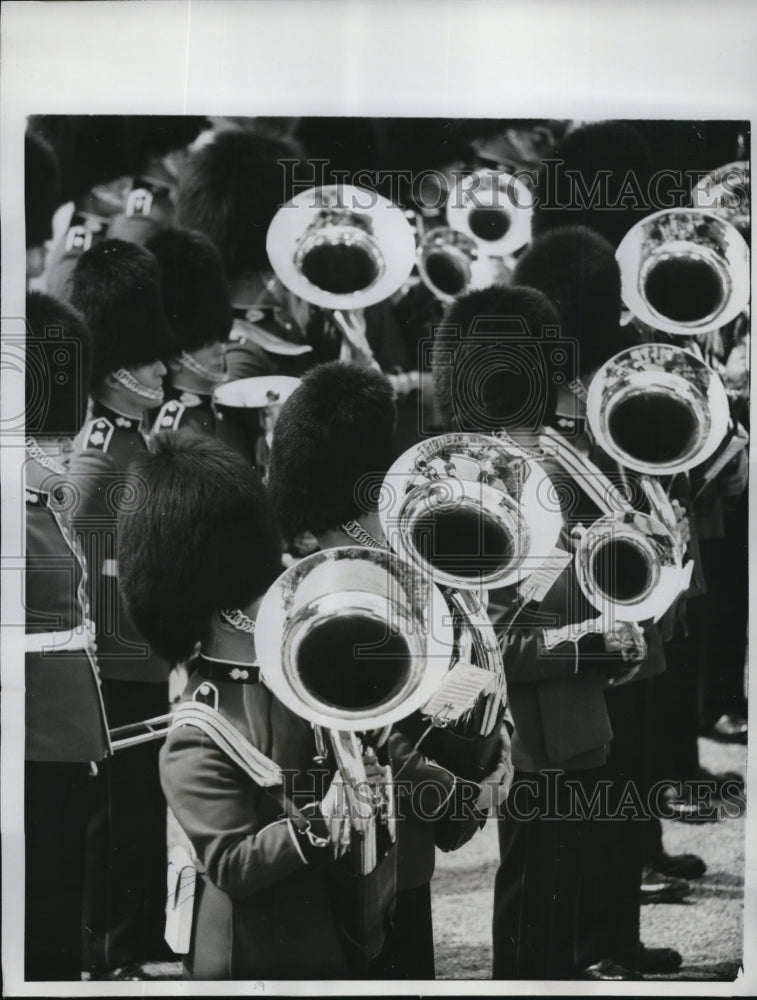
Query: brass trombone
[[135, 733]]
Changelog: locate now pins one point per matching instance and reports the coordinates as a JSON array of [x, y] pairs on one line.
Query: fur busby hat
[[597, 176], [58, 365], [196, 297], [41, 189], [116, 286], [577, 271], [333, 435], [96, 149], [205, 539], [498, 359], [230, 189]]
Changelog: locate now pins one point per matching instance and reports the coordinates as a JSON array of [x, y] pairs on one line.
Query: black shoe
[[651, 961], [678, 865], [658, 888], [606, 971], [730, 729], [689, 809]]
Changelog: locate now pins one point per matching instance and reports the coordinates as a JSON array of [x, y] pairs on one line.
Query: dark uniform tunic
[[562, 724], [263, 907], [66, 733], [125, 900], [185, 409]]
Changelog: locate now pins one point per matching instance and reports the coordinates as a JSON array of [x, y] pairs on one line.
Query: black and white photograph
[[375, 501]]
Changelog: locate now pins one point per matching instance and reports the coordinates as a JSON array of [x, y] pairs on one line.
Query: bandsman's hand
[[682, 521], [626, 638], [496, 786]]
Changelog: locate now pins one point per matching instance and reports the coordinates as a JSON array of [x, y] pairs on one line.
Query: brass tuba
[[727, 192], [451, 263], [341, 247], [494, 209], [353, 640], [657, 409], [463, 509], [684, 272], [344, 248], [629, 563]]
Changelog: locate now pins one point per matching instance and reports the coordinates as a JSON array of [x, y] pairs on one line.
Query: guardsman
[[260, 871], [66, 730], [333, 432], [197, 304], [230, 189], [116, 285], [562, 727], [575, 267]]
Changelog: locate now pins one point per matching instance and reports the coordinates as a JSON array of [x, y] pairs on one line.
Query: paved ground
[[707, 927]]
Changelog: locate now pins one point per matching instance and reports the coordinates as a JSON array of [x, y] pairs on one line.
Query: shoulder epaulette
[[169, 417], [98, 434]]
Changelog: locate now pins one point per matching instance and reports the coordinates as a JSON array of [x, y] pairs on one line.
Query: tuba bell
[[494, 209], [341, 247], [462, 508], [344, 248], [451, 263], [684, 272], [353, 640], [629, 563], [246, 411], [727, 192], [657, 409]]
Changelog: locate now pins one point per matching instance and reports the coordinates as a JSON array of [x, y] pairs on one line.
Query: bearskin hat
[[116, 286], [96, 149], [497, 360], [577, 271], [205, 539], [334, 440], [230, 189], [58, 365], [196, 297], [598, 176], [41, 189]]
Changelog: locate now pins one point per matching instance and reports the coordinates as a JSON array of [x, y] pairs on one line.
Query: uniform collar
[[36, 495], [126, 423], [213, 669]]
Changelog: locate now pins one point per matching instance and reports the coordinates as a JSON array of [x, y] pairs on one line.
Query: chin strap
[[359, 534], [238, 620], [127, 381], [34, 451], [193, 365]]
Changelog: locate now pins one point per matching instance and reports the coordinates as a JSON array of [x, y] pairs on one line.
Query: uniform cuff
[[312, 840]]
